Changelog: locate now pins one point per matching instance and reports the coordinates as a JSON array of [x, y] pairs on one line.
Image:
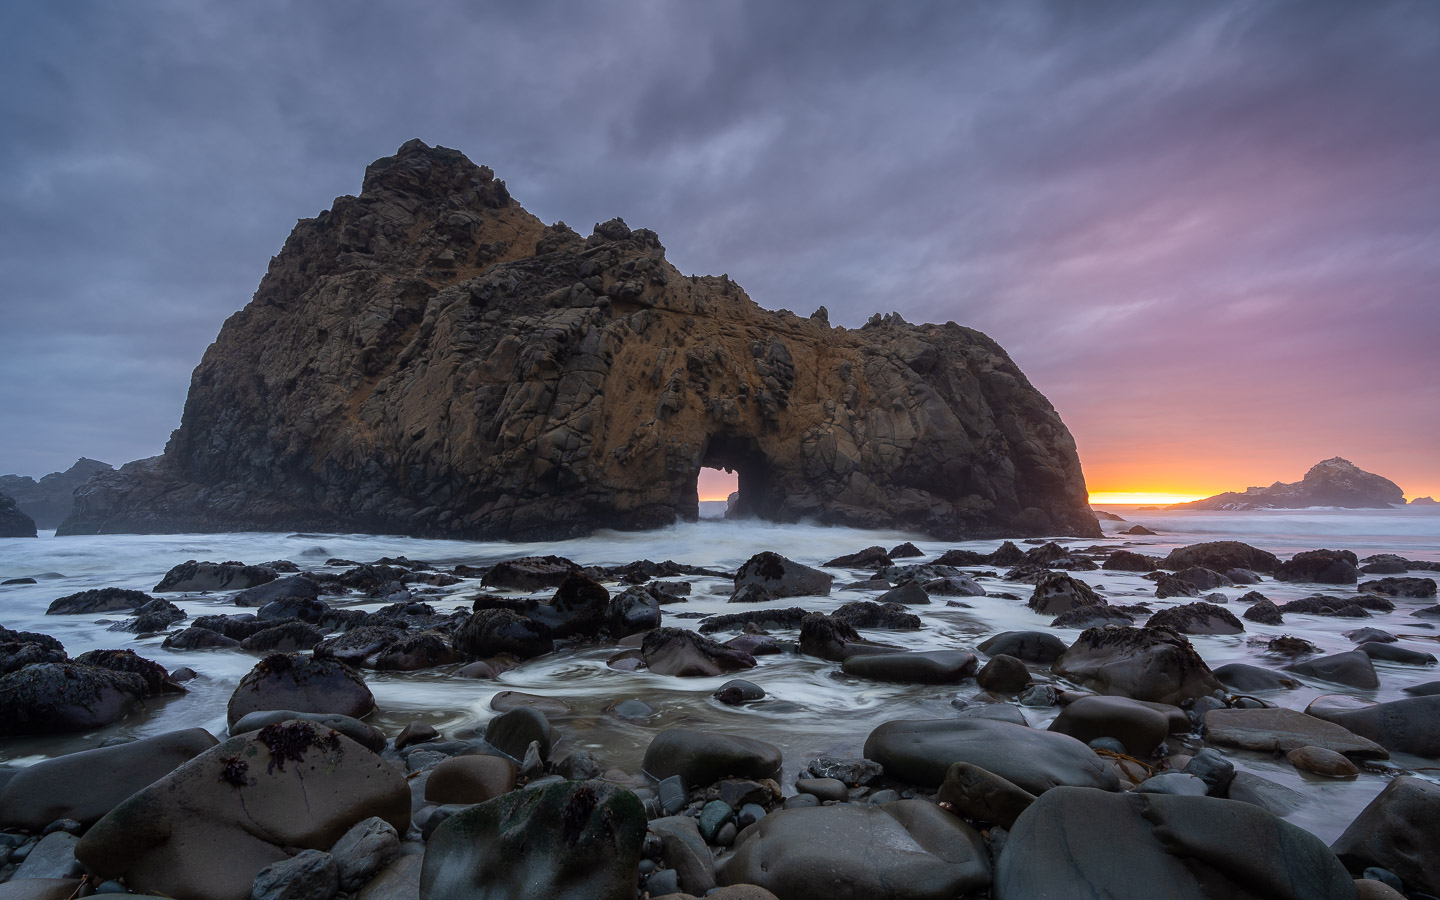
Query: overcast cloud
[[1207, 231]]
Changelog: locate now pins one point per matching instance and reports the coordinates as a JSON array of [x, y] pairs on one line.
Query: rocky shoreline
[[1131, 790]]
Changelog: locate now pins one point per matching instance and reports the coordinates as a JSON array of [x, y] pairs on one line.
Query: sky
[[1208, 232]]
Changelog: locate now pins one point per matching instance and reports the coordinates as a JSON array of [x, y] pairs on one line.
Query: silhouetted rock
[[1331, 482], [51, 499], [465, 370], [1321, 566], [13, 522]]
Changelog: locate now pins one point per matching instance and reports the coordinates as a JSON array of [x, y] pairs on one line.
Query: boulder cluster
[[1131, 790]]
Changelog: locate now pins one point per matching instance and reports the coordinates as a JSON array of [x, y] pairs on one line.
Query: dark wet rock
[[100, 600], [913, 667], [358, 645], [905, 551], [1428, 689], [13, 522], [824, 789], [304, 683], [1215, 770], [906, 850], [238, 627], [1320, 566], [491, 632], [1398, 831], [1031, 646], [1141, 728], [1411, 725], [908, 594], [1057, 593], [632, 611], [783, 577], [834, 639], [505, 701], [1129, 561], [737, 691], [1371, 635], [85, 786], [578, 608], [1064, 845], [53, 857], [975, 793], [295, 587], [149, 623], [1222, 556], [1004, 675], [61, 697], [514, 730], [953, 586], [1416, 588], [751, 593], [921, 751], [1196, 618], [415, 651], [1390, 652], [788, 617], [209, 576], [853, 771], [1282, 730], [1351, 668], [470, 779], [1289, 645], [684, 852], [1007, 554], [1140, 663], [1203, 578], [1167, 586], [261, 796], [1384, 564], [869, 558], [1092, 617], [308, 875], [312, 611], [363, 851], [1261, 610], [704, 757], [1356, 606], [676, 651], [961, 558], [1247, 678], [367, 736], [865, 614], [530, 573], [288, 638], [195, 638]]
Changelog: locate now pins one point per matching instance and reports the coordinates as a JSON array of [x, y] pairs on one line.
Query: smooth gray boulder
[[1031, 646], [1139, 727], [1079, 843], [1140, 663], [1411, 725], [906, 850], [1400, 831], [1352, 668], [1282, 730], [703, 757], [921, 751], [783, 577], [913, 667]]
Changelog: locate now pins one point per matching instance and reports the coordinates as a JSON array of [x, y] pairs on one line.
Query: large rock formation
[[49, 500], [429, 358], [13, 522], [1331, 482]]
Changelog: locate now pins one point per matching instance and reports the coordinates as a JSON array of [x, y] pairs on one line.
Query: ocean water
[[812, 708]]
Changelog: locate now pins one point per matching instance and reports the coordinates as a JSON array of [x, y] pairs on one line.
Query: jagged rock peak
[[429, 358], [1330, 482]]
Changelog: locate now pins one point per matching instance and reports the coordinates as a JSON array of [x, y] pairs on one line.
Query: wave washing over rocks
[[782, 711]]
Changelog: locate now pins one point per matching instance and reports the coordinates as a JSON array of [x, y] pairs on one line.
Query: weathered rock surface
[[575, 840], [782, 577], [1332, 482], [1222, 556], [50, 500], [1196, 618], [303, 683], [906, 850], [1139, 663], [703, 757], [1073, 842], [1411, 725], [205, 830], [1282, 730], [50, 697], [429, 358], [13, 522]]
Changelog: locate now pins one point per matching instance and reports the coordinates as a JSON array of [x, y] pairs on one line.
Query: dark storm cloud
[[1153, 206]]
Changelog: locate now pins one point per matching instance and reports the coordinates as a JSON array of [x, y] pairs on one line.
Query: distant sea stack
[[430, 359], [49, 500], [1333, 482], [13, 522]]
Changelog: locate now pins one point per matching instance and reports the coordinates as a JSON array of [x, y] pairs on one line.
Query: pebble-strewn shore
[[1095, 752]]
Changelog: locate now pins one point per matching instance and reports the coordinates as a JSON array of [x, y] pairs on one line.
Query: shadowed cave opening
[[732, 466]]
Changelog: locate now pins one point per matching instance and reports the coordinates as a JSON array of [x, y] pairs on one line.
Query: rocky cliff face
[[13, 522], [1331, 482], [429, 358], [49, 500]]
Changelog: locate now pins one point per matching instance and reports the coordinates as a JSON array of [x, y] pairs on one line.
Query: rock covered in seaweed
[[437, 361]]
